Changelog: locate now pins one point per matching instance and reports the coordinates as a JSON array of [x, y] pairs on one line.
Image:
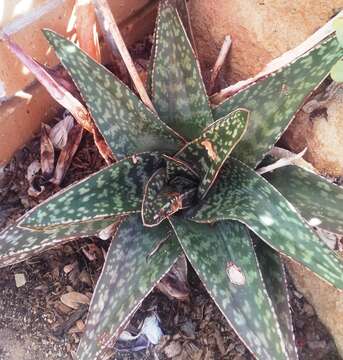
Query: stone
[[20, 280], [327, 300], [322, 132], [260, 29]]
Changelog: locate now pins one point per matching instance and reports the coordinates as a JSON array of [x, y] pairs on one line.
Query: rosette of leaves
[[185, 182]]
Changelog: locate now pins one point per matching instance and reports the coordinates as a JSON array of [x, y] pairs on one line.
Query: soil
[[35, 324]]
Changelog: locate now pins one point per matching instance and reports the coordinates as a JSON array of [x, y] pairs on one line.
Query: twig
[[290, 159], [78, 314], [220, 61], [112, 34]]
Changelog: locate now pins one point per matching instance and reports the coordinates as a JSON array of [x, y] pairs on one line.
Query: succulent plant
[[185, 182]]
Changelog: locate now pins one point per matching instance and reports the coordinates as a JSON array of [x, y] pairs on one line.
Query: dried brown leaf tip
[[86, 28], [210, 148], [47, 153]]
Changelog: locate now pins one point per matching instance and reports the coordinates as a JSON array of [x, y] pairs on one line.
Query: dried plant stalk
[[116, 42]]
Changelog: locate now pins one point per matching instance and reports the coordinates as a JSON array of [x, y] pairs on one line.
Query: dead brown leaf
[[175, 284], [74, 299], [67, 153], [47, 153], [59, 133], [86, 28], [32, 176]]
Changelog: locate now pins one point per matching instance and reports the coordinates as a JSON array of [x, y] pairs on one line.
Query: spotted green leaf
[[115, 190], [274, 101], [338, 26], [213, 250], [243, 195], [176, 168], [274, 276], [18, 244], [337, 71], [162, 199], [178, 92], [209, 151], [182, 9], [126, 123], [151, 206], [131, 270], [318, 201]]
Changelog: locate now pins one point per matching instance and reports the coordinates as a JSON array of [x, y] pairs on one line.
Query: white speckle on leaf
[[266, 220], [314, 222], [235, 273]]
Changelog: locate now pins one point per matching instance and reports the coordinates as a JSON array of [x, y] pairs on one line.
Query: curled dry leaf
[[150, 333], [175, 284], [59, 133], [34, 189], [86, 28], [55, 89], [61, 90], [47, 152], [67, 153], [74, 299], [32, 170], [286, 158], [60, 75]]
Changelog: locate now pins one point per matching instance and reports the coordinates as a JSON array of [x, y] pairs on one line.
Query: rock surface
[[322, 132], [327, 300], [260, 29]]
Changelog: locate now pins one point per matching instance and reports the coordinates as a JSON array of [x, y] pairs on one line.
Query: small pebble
[[20, 280]]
